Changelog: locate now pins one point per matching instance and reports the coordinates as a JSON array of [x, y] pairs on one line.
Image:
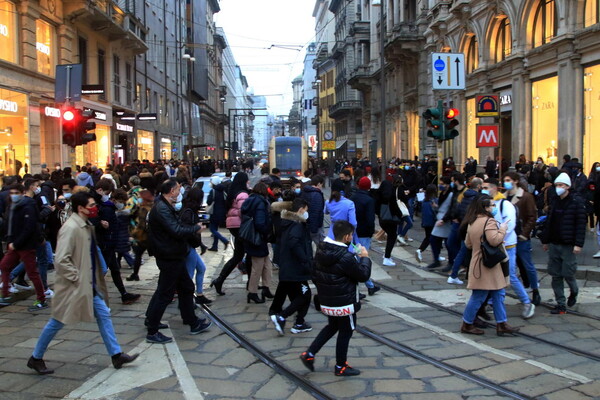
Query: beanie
[[563, 178], [364, 183], [215, 180]]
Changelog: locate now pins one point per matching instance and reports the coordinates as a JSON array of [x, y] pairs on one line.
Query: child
[[427, 218], [337, 274]]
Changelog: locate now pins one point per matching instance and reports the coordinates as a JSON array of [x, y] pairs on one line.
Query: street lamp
[[374, 139]]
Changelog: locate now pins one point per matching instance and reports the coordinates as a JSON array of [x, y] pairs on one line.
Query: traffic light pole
[[440, 144]]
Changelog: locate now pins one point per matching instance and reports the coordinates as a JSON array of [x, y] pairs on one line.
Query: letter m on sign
[[487, 135]]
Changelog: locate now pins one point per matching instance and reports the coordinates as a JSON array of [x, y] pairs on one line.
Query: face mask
[[179, 198], [452, 185], [539, 162], [61, 204], [560, 191], [181, 189], [485, 191], [57, 168], [297, 190], [67, 195], [494, 211], [15, 197], [406, 167], [92, 212], [419, 168], [37, 190], [177, 206], [140, 200], [597, 169], [119, 206], [508, 185], [305, 215], [105, 198]]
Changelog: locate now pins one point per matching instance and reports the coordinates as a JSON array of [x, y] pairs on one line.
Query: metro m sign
[[488, 135]]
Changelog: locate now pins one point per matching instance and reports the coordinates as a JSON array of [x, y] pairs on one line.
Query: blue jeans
[[453, 242], [102, 314], [366, 243], [477, 299], [411, 206], [49, 253], [214, 229], [458, 260], [405, 225], [194, 263], [515, 282], [524, 254]]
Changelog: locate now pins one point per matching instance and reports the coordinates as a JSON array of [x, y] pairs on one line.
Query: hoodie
[[84, 179]]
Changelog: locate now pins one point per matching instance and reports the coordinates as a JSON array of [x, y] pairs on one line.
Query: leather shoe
[[470, 329], [39, 366], [503, 328], [160, 324], [121, 359]]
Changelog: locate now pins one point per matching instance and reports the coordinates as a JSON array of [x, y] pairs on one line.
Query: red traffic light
[[68, 115], [452, 113]]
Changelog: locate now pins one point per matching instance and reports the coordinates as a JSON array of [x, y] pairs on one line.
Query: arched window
[[591, 12], [544, 23], [503, 41], [472, 54]]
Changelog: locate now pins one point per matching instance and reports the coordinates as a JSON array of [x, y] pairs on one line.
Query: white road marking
[[186, 381]]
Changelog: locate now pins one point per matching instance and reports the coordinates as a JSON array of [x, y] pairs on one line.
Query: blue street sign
[[439, 65]]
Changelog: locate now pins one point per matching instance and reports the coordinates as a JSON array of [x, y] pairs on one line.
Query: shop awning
[[340, 143]]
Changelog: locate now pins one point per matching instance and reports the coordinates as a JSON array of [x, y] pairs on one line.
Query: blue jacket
[[365, 213], [427, 214], [84, 179], [258, 208], [342, 210], [316, 205]]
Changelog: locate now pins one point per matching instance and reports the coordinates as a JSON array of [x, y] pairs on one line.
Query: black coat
[[387, 195], [167, 236], [26, 230], [365, 213], [217, 196], [257, 207], [571, 226], [337, 273], [294, 248], [189, 217], [107, 238], [316, 204]]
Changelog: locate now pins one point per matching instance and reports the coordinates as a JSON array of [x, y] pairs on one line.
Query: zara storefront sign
[[7, 105], [124, 128], [3, 30], [52, 112]]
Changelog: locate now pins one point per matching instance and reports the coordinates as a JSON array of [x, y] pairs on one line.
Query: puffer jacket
[[121, 238], [365, 213], [568, 228], [316, 205], [294, 248], [258, 208], [337, 273], [234, 214], [167, 237], [468, 196], [217, 196]]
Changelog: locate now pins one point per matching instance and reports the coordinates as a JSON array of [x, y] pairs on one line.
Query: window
[[503, 41], [472, 54], [544, 23], [138, 97], [102, 71], [148, 100], [8, 31], [44, 44], [128, 84], [82, 45], [116, 79], [544, 120], [591, 12], [161, 110]]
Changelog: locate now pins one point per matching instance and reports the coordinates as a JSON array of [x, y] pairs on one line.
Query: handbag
[[248, 232], [491, 256], [210, 208], [386, 215], [403, 208]]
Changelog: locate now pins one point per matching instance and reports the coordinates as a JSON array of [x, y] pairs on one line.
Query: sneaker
[[454, 281], [158, 338], [528, 310], [49, 293], [38, 305], [22, 285], [130, 298], [373, 290], [441, 258], [389, 262], [345, 370], [572, 300], [597, 255], [409, 239], [308, 360], [559, 310], [11, 288], [6, 301], [279, 323], [401, 241], [201, 326], [300, 328], [419, 255]]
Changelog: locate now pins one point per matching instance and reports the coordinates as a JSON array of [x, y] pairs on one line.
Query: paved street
[[213, 366]]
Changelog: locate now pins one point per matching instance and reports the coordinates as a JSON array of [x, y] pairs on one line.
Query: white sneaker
[[528, 310], [597, 255], [11, 288], [454, 281], [49, 293], [442, 258], [401, 241], [419, 256], [389, 262], [409, 239]]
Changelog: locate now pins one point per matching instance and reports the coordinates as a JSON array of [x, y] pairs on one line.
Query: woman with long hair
[[193, 262], [484, 281], [387, 198], [238, 193]]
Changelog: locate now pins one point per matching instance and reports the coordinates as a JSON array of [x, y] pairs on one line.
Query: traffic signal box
[[450, 124], [75, 126], [441, 123]]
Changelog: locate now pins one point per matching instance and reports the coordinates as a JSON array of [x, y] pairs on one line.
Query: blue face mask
[[494, 211], [15, 197], [485, 191], [177, 206], [297, 190], [406, 167], [452, 185], [508, 185]]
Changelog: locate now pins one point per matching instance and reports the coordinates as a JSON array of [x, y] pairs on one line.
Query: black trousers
[[173, 277], [110, 258], [427, 238], [238, 255], [390, 229], [345, 326], [138, 252], [300, 296]]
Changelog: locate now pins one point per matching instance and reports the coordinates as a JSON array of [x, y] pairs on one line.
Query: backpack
[[519, 224]]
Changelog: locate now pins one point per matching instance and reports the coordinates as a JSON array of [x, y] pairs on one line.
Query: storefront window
[[591, 99], [472, 122], [145, 144], [544, 23], [544, 120], [8, 31], [591, 12], [14, 133], [50, 138], [97, 152], [44, 45], [165, 149], [503, 41]]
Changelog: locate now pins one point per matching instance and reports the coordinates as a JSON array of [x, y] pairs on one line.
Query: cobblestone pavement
[[213, 366]]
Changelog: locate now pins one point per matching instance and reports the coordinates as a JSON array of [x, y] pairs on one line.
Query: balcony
[[338, 49], [343, 108], [360, 78], [360, 29], [404, 43], [108, 19]]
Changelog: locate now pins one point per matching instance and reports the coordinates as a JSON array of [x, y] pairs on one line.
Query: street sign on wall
[[448, 71], [328, 145], [487, 105], [488, 135]]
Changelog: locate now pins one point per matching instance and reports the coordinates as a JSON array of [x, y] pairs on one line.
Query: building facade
[[310, 100]]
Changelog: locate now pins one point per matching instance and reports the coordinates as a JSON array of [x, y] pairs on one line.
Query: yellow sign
[[328, 145]]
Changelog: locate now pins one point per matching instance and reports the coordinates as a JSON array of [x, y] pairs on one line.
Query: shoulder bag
[[210, 208], [491, 256]]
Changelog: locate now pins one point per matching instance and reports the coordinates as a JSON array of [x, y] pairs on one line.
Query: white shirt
[[507, 212]]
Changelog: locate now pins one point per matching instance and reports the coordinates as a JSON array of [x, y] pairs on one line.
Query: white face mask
[[105, 198], [37, 190], [305, 215], [560, 191], [119, 206], [177, 206], [179, 198], [67, 196]]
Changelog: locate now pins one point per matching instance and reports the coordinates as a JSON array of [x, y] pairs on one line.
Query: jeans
[[194, 264], [405, 225], [10, 259], [41, 254], [102, 314], [562, 266], [49, 253], [411, 206], [128, 259], [214, 229], [453, 242], [524, 254], [515, 282], [345, 326], [477, 299], [458, 260], [366, 243]]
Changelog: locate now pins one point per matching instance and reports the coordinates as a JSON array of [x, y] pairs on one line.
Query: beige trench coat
[[480, 276], [73, 292]]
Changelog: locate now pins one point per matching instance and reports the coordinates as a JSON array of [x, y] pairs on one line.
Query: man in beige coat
[[80, 289]]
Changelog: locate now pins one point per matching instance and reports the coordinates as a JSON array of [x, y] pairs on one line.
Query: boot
[[470, 329], [218, 284], [503, 328], [479, 323], [254, 297], [39, 366], [266, 292], [536, 299]]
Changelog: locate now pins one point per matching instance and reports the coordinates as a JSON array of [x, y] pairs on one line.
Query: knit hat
[[215, 180], [563, 178], [364, 183]]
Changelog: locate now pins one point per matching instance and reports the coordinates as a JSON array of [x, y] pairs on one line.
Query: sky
[[252, 26]]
